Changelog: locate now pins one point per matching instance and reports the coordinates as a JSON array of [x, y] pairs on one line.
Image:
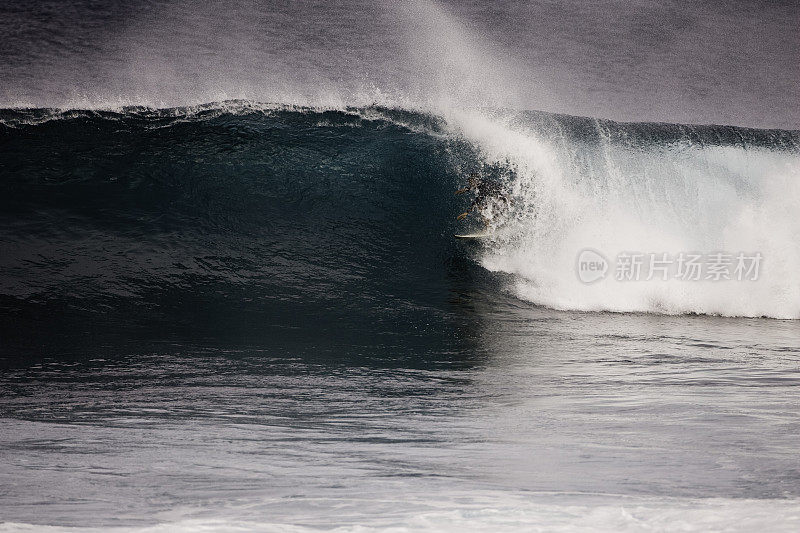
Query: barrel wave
[[303, 225]]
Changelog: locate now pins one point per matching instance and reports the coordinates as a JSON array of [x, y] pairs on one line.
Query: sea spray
[[647, 189]]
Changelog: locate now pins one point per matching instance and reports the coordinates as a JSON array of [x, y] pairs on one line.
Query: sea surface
[[231, 299]]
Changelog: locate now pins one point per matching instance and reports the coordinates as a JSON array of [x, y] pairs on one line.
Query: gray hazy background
[[690, 62]]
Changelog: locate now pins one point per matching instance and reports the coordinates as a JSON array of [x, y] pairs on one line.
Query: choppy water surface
[[529, 418]]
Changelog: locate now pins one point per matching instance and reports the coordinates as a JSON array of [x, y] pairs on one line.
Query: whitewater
[[649, 188]]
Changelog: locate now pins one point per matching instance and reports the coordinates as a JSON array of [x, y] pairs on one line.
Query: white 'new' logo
[[591, 266]]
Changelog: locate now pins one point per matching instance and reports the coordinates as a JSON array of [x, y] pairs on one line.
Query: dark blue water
[[300, 228]]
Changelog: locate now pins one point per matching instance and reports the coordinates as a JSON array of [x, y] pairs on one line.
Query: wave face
[[232, 221], [301, 224]]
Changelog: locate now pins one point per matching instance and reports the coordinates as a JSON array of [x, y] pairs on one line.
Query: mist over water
[[716, 62]]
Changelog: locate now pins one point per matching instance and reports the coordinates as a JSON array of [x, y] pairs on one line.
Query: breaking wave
[[304, 223]]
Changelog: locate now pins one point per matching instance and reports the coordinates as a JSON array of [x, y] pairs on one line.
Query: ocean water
[[230, 298]]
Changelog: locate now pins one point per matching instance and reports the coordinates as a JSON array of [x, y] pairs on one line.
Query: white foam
[[621, 197], [486, 512]]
